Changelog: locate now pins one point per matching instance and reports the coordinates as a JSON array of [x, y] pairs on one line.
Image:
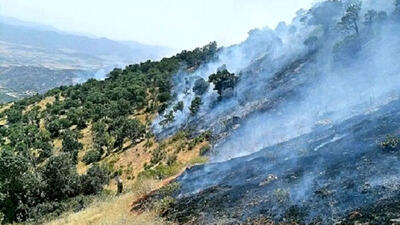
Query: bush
[[200, 86], [164, 97], [205, 150], [94, 180], [157, 156], [195, 106], [171, 159], [223, 80], [161, 206], [91, 156], [61, 177], [390, 143], [179, 106], [160, 171]]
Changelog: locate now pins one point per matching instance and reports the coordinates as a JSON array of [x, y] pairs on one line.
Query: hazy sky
[[174, 23]]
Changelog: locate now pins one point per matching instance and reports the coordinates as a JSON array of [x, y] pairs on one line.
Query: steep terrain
[[60, 149], [307, 134], [297, 125]]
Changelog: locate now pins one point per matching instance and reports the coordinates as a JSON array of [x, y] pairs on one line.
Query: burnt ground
[[334, 175]]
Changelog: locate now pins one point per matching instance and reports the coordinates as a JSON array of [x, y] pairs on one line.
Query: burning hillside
[[306, 133]]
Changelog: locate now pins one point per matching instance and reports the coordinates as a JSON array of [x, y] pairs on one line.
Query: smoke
[[311, 102], [294, 79]]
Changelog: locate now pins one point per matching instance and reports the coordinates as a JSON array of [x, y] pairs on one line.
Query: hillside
[[297, 125], [51, 143]]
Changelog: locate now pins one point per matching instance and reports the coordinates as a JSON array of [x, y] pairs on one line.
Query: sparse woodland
[[43, 140]]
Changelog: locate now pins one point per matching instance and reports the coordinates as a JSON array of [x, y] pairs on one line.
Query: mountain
[[24, 44], [296, 125]]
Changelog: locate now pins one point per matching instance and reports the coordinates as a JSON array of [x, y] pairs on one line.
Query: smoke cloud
[[294, 79]]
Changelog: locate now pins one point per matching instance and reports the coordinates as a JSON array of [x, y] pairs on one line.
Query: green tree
[[13, 167], [349, 23], [20, 186], [91, 156], [61, 177], [94, 180], [70, 144], [200, 86], [195, 105], [168, 118], [223, 80], [179, 106], [14, 115]]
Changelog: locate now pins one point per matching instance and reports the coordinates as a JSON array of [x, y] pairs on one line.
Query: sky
[[179, 24]]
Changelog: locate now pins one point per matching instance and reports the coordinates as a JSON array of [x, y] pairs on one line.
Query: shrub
[[390, 143], [223, 80], [168, 118], [161, 206], [179, 106], [91, 156], [171, 159], [61, 177], [160, 171], [157, 156], [200, 86], [205, 150], [195, 106], [94, 180]]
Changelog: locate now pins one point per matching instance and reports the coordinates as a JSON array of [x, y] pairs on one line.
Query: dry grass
[[42, 104], [5, 107], [87, 142], [115, 210], [3, 121], [131, 161]]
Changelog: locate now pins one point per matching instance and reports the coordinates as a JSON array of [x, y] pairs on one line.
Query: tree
[[91, 156], [179, 106], [168, 118], [70, 144], [195, 106], [20, 186], [135, 130], [122, 128], [372, 17], [55, 126], [223, 80], [14, 115], [396, 12], [349, 22], [13, 168], [61, 177], [200, 86], [94, 180]]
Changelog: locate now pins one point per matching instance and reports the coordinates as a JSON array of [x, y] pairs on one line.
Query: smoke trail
[[293, 79]]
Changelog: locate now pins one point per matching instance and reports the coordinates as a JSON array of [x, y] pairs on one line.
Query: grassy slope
[[133, 161], [116, 209]]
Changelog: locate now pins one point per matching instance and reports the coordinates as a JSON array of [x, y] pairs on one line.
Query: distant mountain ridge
[[48, 38], [63, 56]]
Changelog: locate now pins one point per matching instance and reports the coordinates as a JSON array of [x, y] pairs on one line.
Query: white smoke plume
[[321, 89]]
